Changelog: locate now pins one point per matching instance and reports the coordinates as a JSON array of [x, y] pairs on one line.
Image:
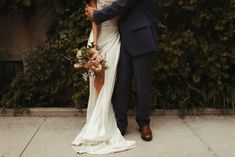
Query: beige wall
[[17, 35]]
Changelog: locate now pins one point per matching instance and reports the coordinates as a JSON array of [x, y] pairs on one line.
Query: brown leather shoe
[[146, 133]]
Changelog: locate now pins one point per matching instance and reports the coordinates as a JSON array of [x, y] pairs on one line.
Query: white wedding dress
[[100, 134]]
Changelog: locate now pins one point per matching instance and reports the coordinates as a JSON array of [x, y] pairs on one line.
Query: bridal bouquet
[[90, 61]]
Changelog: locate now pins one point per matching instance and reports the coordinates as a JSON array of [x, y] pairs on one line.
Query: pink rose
[[77, 65], [99, 68]]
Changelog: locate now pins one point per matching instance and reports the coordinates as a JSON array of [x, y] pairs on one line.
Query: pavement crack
[[33, 136], [200, 138]]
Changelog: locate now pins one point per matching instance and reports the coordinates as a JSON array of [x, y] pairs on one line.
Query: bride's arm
[[117, 8], [95, 27]]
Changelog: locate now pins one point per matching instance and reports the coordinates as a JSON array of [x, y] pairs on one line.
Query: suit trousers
[[141, 69]]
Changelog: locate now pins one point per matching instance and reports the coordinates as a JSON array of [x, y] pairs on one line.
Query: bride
[[100, 134]]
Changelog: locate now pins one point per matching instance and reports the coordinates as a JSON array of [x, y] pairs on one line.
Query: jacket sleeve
[[115, 9]]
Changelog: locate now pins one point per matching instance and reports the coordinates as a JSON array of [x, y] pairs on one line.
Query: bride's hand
[[94, 52], [89, 12]]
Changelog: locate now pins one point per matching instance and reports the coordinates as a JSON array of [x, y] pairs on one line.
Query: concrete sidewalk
[[193, 136]]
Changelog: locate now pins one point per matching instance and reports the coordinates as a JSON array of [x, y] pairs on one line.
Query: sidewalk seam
[[200, 138], [33, 136]]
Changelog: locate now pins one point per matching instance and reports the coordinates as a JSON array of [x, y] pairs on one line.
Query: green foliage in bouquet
[[194, 68]]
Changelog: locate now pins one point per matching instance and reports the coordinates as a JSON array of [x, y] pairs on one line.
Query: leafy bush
[[195, 67], [197, 43], [49, 67]]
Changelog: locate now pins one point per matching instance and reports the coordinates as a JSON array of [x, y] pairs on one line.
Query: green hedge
[[194, 69]]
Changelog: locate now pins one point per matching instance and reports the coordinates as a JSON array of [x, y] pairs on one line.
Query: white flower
[[79, 54], [85, 76]]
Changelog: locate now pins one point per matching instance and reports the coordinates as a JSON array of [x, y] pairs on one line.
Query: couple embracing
[[125, 33]]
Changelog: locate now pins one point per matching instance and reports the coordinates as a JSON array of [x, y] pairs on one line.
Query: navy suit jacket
[[136, 24]]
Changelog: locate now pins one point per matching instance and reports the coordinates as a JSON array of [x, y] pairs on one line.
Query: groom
[[138, 47]]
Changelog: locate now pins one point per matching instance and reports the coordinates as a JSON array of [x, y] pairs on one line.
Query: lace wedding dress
[[100, 134]]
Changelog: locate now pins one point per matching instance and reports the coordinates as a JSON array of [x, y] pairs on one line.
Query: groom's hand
[[89, 12]]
